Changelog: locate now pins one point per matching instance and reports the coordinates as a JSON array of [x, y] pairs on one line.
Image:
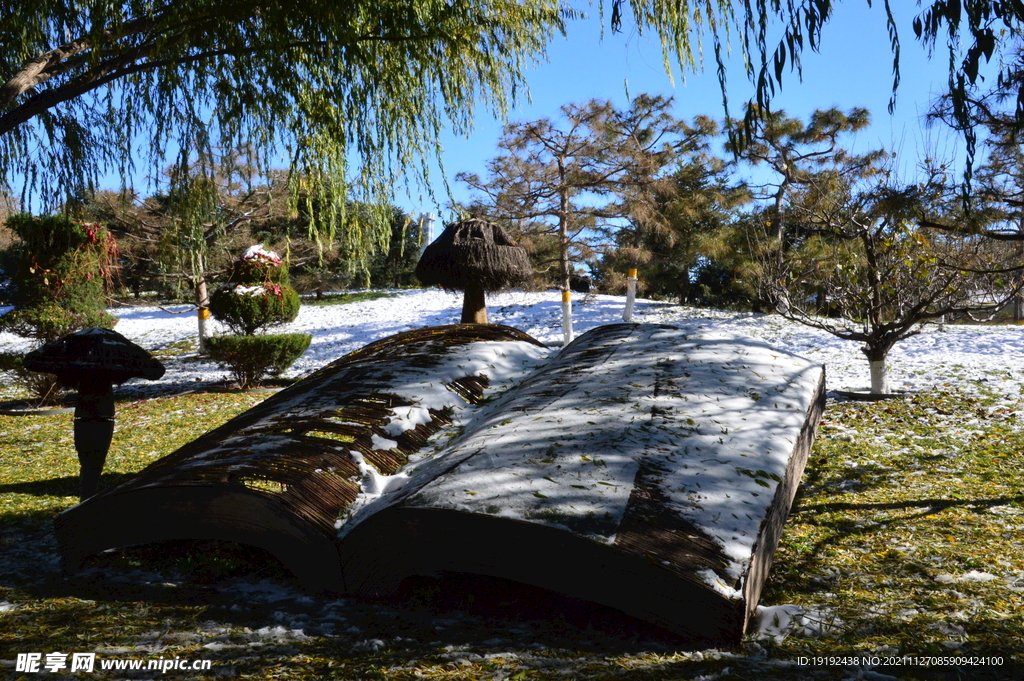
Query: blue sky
[[854, 68]]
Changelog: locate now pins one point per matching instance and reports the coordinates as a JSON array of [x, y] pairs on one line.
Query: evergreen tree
[[676, 226], [575, 176]]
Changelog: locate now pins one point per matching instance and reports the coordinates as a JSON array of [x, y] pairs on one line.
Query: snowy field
[[960, 356]]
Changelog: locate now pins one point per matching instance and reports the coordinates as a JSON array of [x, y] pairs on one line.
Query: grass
[[901, 500], [344, 298]]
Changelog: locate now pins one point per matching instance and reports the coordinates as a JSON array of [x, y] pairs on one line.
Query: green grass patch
[[176, 348], [344, 298], [908, 529], [906, 508]]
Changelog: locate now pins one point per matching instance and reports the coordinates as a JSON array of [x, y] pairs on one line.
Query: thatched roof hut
[[474, 256], [95, 354]]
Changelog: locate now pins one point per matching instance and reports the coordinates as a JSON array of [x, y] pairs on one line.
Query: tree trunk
[[1018, 299], [627, 315], [879, 369], [564, 265], [879, 377], [567, 333], [474, 305], [203, 310]]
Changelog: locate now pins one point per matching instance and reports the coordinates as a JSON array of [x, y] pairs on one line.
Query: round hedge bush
[[248, 309], [252, 358], [256, 295], [258, 266]]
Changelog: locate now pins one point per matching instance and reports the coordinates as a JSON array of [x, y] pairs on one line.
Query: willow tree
[[81, 84], [87, 89]]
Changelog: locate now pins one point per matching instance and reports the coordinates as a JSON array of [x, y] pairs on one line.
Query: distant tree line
[[790, 221], [166, 255], [591, 195]]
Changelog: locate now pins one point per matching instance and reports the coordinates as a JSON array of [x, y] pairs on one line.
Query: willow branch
[[126, 64]]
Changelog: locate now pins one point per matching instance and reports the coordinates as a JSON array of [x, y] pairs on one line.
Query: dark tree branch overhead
[[995, 235], [97, 75]]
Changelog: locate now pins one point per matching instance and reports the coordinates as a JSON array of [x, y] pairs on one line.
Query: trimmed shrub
[[51, 321], [248, 309], [256, 295], [252, 358], [59, 271], [45, 388], [58, 286]]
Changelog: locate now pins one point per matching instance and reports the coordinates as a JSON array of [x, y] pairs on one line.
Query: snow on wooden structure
[[279, 475], [641, 468]]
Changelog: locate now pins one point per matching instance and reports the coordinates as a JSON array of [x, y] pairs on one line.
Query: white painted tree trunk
[[879, 376], [567, 317], [203, 313], [627, 316]]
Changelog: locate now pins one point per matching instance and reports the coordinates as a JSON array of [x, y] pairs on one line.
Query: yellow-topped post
[[567, 317], [627, 315]]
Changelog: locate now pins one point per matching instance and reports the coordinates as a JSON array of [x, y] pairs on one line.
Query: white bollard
[[567, 317], [627, 316], [204, 331]]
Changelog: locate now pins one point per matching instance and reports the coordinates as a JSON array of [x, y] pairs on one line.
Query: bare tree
[[881, 274]]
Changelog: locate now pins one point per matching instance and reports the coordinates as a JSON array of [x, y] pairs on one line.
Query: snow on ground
[[573, 465], [958, 356], [964, 356]]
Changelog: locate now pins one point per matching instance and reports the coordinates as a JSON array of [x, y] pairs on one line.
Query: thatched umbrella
[[91, 361], [474, 256]]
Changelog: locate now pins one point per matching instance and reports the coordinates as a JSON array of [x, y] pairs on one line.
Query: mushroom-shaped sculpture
[[91, 361], [474, 256]]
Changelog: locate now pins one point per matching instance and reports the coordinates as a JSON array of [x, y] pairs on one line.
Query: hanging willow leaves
[[358, 92], [82, 87]]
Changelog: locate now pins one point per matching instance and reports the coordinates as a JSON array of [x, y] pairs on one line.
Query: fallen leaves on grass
[[907, 530]]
